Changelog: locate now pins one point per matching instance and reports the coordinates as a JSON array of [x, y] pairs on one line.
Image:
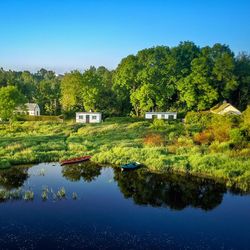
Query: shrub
[[4, 163], [154, 140], [204, 137], [158, 124], [220, 147], [197, 121], [246, 117], [125, 119], [220, 127], [40, 118]]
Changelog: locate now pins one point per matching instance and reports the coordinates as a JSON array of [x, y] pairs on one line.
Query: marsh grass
[[28, 195], [10, 195], [61, 193], [44, 195], [122, 140]]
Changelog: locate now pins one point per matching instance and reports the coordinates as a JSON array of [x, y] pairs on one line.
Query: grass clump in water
[[61, 193], [28, 195], [44, 195]]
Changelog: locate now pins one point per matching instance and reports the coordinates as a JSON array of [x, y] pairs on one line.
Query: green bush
[[40, 118], [4, 163], [158, 124], [197, 121], [125, 119]]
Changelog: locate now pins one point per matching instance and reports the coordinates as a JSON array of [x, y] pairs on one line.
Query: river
[[89, 206]]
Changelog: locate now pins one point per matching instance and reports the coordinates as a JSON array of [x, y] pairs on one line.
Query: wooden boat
[[130, 166], [75, 160]]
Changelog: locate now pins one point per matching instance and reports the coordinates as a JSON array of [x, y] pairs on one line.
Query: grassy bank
[[160, 146]]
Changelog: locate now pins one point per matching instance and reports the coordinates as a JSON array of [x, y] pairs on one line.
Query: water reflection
[[87, 171], [14, 177], [169, 190], [145, 188]]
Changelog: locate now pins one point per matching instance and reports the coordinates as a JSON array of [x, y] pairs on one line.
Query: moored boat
[[75, 160], [130, 166]]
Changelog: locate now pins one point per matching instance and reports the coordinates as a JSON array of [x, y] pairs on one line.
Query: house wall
[[230, 109], [164, 116], [93, 118], [35, 112]]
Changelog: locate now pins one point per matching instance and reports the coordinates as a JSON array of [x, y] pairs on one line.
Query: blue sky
[[73, 34]]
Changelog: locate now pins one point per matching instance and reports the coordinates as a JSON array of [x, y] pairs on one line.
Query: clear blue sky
[[73, 34]]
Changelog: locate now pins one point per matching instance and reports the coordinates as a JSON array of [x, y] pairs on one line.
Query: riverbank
[[159, 146]]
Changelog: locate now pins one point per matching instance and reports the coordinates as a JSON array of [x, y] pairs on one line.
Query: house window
[[171, 117], [94, 117], [80, 117], [162, 116]]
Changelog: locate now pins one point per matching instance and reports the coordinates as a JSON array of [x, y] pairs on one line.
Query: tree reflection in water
[[145, 188], [14, 177], [169, 190], [88, 171]]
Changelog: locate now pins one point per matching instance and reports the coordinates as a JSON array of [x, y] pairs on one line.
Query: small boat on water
[[76, 160], [130, 166]]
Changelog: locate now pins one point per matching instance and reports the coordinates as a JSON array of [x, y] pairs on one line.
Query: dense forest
[[183, 78]]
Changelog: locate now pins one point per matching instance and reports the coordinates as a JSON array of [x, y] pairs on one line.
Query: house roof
[[31, 106], [221, 107], [88, 113], [167, 112], [27, 107]]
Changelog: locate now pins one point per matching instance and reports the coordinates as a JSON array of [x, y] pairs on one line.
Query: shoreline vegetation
[[205, 145]]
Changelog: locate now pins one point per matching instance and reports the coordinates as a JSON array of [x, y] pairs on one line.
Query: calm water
[[131, 210]]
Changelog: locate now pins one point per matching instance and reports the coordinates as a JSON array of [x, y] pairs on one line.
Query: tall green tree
[[152, 69], [242, 71], [71, 91], [223, 71], [10, 99], [197, 90]]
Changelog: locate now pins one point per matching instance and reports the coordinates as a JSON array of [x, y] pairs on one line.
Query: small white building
[[29, 109], [161, 115], [88, 117]]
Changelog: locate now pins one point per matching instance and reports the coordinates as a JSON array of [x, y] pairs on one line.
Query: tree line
[[185, 77]]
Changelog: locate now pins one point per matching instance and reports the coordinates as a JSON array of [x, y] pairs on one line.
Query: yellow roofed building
[[225, 109]]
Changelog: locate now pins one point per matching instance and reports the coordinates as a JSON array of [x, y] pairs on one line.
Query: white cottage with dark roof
[[161, 115], [88, 117], [29, 109]]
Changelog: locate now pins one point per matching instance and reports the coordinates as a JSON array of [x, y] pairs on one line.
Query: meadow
[[219, 150]]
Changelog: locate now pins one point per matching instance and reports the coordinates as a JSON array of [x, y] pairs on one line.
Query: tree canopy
[[185, 77], [10, 99]]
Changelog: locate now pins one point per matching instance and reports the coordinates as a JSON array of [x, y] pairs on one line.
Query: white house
[[161, 115], [88, 117], [30, 109]]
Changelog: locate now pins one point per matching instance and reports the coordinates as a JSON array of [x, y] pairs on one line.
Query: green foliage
[[71, 86], [197, 90], [158, 124], [197, 121], [242, 72], [246, 117], [39, 118], [148, 79], [184, 77], [10, 99]]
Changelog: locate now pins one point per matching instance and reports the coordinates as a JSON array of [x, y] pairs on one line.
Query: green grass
[[121, 140]]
